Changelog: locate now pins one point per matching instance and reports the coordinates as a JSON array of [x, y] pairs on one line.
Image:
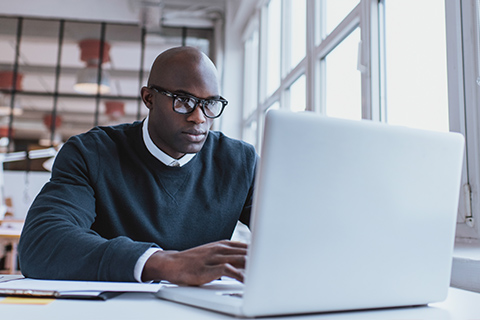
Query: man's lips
[[195, 136]]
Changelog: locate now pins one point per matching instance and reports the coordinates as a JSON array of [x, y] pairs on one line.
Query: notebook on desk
[[347, 215]]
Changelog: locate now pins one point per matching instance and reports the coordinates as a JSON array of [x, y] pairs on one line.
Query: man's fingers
[[218, 271], [237, 261], [229, 248], [237, 244], [228, 260], [233, 272], [229, 252]]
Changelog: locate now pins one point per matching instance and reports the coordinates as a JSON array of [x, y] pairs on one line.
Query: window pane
[[200, 39], [32, 126], [416, 68], [273, 46], [78, 115], [274, 106], [297, 95], [250, 83], [343, 80], [250, 133], [125, 57], [37, 62], [336, 11], [8, 41], [298, 31]]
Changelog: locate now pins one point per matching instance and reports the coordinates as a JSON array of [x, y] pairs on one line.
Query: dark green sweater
[[109, 200]]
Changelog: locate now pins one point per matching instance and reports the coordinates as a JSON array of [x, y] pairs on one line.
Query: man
[[152, 200]]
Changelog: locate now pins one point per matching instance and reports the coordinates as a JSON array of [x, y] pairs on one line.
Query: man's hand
[[198, 265]]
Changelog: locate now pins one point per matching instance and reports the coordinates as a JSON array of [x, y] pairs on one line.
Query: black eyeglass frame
[[198, 101]]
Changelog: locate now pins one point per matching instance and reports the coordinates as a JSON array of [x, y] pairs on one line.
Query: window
[[416, 64], [281, 57], [384, 60], [343, 81], [250, 84], [297, 36], [297, 95], [274, 45], [308, 64], [463, 39], [336, 11], [250, 134]]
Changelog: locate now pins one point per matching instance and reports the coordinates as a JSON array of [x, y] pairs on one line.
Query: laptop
[[347, 215]]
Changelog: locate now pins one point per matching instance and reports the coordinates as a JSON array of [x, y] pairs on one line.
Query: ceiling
[[49, 63]]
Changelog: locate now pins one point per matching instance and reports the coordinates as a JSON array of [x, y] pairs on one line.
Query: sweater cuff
[[138, 270]]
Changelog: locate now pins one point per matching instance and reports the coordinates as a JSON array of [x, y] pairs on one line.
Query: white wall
[[97, 10]]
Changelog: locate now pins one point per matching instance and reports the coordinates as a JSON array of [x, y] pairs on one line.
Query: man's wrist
[[140, 265]]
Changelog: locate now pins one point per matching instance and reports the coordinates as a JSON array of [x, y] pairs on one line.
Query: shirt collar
[[159, 154]]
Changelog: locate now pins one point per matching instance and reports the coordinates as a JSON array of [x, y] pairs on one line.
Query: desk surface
[[10, 228], [460, 305]]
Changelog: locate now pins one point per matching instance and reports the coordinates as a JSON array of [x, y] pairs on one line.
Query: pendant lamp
[[87, 78]]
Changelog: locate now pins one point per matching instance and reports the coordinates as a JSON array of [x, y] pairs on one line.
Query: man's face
[[184, 72], [174, 133]]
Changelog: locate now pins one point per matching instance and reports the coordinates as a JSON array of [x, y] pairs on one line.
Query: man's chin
[[194, 147]]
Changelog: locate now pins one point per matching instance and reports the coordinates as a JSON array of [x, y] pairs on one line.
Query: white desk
[[460, 305]]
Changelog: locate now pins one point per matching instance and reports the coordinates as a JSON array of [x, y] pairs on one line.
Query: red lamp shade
[[4, 132], [6, 80], [47, 120], [114, 109], [90, 51]]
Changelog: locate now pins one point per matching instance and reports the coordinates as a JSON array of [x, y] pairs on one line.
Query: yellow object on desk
[[21, 300]]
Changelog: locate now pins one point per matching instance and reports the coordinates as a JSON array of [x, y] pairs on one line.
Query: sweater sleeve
[[57, 242]]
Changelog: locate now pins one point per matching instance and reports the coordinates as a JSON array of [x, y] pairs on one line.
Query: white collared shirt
[[169, 161], [159, 154]]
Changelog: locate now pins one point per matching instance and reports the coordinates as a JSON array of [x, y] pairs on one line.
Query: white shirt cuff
[[137, 272]]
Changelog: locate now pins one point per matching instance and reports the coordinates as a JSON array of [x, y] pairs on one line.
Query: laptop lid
[[350, 215]]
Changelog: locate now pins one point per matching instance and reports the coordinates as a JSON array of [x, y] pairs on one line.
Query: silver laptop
[[347, 215]]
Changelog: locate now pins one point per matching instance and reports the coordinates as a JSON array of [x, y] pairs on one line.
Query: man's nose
[[197, 115]]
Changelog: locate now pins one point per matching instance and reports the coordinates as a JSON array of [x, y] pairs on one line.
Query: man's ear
[[147, 97]]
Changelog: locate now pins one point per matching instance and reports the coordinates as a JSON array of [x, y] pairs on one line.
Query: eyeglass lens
[[183, 104]]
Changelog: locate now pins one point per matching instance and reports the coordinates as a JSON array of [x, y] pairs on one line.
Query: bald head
[[183, 71], [175, 67]]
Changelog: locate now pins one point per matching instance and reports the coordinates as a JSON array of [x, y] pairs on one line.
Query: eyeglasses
[[186, 103]]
